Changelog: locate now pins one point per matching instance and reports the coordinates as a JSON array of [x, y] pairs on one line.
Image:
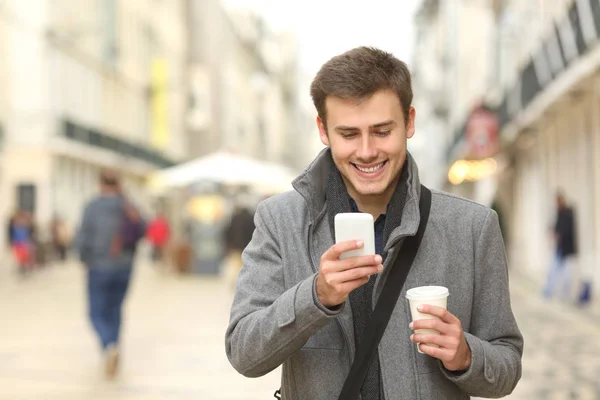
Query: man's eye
[[348, 135], [384, 133]]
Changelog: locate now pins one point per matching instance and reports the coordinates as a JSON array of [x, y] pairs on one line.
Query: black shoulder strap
[[385, 305]]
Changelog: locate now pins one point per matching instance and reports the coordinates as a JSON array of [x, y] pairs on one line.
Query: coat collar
[[312, 186]]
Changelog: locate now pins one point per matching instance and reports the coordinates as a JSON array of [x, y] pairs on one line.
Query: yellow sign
[[159, 104], [471, 170]]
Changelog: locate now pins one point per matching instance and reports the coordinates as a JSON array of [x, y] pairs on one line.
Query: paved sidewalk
[[174, 342], [562, 347]]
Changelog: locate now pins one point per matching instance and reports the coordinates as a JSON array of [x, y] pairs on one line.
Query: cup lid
[[427, 293]]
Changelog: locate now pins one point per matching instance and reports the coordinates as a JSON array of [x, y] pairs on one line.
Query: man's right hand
[[337, 278]]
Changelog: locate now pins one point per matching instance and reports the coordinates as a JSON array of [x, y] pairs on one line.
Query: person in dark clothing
[[501, 219], [106, 243], [9, 229], [237, 236], [565, 247], [239, 232]]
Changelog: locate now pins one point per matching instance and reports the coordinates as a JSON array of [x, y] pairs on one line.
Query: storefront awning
[[227, 169]]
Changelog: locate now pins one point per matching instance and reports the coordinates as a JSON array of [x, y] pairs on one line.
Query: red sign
[[481, 133]]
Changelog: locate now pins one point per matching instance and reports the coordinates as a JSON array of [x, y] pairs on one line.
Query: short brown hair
[[109, 177], [358, 74]]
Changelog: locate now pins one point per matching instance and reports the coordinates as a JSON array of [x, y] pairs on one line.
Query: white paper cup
[[432, 295]]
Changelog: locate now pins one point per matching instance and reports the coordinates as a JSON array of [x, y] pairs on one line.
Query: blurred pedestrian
[[60, 237], [564, 250], [237, 236], [110, 230], [501, 219], [158, 234], [37, 249], [21, 241], [9, 228]]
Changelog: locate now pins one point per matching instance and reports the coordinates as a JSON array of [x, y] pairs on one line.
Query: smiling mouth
[[369, 170]]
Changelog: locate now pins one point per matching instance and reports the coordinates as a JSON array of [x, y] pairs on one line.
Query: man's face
[[368, 141]]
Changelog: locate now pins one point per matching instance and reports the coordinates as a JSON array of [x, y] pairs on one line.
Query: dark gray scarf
[[338, 201]]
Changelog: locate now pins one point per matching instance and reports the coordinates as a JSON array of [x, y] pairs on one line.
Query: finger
[[439, 312], [435, 324], [353, 274], [359, 261], [349, 286], [446, 342], [333, 253], [437, 352]]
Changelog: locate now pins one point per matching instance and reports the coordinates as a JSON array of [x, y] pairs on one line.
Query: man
[[237, 236], [106, 242], [298, 305], [564, 239]]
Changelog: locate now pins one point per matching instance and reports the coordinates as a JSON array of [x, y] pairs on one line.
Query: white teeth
[[369, 170]]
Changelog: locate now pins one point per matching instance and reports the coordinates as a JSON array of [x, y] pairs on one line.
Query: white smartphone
[[355, 226]]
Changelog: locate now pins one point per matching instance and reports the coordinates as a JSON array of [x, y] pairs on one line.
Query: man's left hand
[[453, 350]]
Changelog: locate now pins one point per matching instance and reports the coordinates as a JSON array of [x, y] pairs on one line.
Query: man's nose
[[367, 151]]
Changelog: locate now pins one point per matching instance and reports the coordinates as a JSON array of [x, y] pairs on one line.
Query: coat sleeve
[[268, 320], [494, 338]]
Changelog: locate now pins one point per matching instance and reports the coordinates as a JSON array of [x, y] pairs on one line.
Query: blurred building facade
[[309, 132], [431, 86], [452, 70], [85, 85], [3, 84], [524, 100], [243, 85]]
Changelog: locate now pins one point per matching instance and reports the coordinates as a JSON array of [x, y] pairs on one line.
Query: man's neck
[[375, 204], [375, 209]]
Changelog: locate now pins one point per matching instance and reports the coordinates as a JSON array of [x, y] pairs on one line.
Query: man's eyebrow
[[346, 128], [374, 126], [380, 124]]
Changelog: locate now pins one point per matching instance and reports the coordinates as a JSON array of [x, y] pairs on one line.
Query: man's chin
[[369, 191], [364, 188]]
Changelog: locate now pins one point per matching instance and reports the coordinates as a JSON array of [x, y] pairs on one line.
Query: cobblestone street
[[562, 352], [173, 342]]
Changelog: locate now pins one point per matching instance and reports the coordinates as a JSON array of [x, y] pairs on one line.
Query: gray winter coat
[[276, 317]]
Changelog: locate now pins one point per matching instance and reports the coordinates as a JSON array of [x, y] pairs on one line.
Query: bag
[[385, 305], [133, 228], [131, 231]]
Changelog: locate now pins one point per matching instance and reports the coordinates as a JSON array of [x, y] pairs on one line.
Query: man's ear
[[322, 132], [410, 123]]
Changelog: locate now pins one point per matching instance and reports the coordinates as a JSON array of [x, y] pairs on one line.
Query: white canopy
[[225, 168]]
